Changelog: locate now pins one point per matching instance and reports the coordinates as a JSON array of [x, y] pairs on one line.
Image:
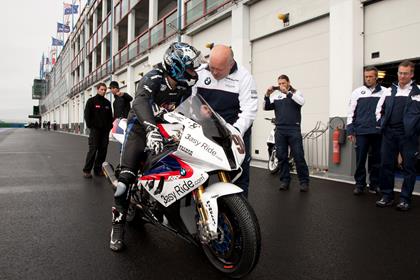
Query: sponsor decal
[[174, 177], [192, 140], [183, 172], [207, 81], [163, 87], [208, 149], [194, 125], [97, 106], [363, 92], [208, 205], [182, 189], [254, 94], [229, 85], [177, 117]]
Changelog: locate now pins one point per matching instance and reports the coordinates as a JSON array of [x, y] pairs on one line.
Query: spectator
[[49, 125], [287, 103], [399, 113], [122, 101], [98, 117], [231, 91], [364, 132]]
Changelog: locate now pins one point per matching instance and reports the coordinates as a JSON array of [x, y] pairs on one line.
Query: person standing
[[231, 91], [364, 132], [287, 103], [121, 102], [398, 110], [98, 117]]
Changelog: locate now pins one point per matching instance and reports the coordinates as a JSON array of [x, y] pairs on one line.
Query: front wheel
[[237, 248], [273, 163]]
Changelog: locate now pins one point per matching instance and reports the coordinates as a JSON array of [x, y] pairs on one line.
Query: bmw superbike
[[174, 190]]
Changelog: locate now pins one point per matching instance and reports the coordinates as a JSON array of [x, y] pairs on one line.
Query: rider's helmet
[[180, 57]]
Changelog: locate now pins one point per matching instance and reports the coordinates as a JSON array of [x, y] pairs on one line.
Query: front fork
[[206, 234]]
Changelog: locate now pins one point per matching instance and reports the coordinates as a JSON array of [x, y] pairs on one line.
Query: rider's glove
[[154, 140]]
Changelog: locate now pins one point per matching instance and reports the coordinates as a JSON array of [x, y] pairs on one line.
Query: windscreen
[[197, 109]]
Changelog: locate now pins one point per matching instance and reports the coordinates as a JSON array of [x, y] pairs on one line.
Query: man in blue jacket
[[286, 103], [399, 113], [364, 131]]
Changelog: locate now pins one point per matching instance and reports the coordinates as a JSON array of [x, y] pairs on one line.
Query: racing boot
[[117, 233]]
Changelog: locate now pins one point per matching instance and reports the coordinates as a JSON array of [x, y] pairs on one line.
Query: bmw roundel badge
[[207, 81], [182, 172]]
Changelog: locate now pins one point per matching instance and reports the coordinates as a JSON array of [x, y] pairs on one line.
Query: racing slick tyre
[[237, 249]]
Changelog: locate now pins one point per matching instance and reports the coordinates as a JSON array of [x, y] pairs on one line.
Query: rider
[[163, 88]]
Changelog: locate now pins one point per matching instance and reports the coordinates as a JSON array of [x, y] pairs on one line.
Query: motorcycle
[[173, 189], [273, 163]]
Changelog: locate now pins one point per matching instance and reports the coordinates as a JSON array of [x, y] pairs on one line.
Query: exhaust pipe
[[109, 173]]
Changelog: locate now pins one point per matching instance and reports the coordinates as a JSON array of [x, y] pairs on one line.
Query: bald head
[[221, 61]]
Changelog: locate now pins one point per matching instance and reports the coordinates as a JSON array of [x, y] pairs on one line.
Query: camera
[[276, 88]]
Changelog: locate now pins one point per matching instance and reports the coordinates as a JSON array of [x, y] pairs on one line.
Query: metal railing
[[101, 32], [162, 30], [96, 75], [315, 145], [195, 11]]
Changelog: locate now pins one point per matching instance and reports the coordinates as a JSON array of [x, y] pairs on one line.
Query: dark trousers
[[293, 138], [243, 181], [392, 144], [98, 146], [132, 155], [363, 144]]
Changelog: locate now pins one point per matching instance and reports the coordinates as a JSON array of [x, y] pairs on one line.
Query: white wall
[[302, 53], [219, 33], [263, 14], [392, 28]]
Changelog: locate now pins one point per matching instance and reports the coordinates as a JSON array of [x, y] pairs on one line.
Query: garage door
[[302, 54], [391, 31]]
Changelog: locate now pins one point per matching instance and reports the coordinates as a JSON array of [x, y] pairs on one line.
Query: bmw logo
[[207, 81], [182, 172]]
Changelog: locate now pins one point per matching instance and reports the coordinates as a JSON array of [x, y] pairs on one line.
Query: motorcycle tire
[[237, 249], [273, 163]]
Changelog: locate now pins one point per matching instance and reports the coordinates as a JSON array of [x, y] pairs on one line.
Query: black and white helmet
[[178, 58]]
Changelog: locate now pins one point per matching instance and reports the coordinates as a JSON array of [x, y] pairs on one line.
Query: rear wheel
[[237, 249], [273, 163]]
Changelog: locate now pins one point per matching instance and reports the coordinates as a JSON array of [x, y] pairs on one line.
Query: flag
[[57, 42], [70, 9], [62, 28]]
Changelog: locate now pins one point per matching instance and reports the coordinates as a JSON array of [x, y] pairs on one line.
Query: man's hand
[[269, 91], [351, 138]]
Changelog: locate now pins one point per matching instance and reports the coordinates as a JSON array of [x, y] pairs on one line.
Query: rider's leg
[[132, 153]]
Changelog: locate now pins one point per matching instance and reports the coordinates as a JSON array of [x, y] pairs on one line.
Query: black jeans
[[363, 143], [392, 144], [293, 138], [98, 146]]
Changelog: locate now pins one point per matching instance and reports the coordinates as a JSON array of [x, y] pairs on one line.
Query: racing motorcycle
[[173, 189], [273, 163]]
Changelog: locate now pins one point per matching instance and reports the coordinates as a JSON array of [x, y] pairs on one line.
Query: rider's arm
[[248, 103], [142, 104]]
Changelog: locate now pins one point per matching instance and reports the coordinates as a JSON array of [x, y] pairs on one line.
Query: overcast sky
[[26, 28]]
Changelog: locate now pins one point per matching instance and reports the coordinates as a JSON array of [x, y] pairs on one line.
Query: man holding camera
[[286, 103], [364, 132]]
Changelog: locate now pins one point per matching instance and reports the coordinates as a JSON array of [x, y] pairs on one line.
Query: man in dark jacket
[[398, 111], [286, 103], [121, 102], [364, 132], [98, 117]]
